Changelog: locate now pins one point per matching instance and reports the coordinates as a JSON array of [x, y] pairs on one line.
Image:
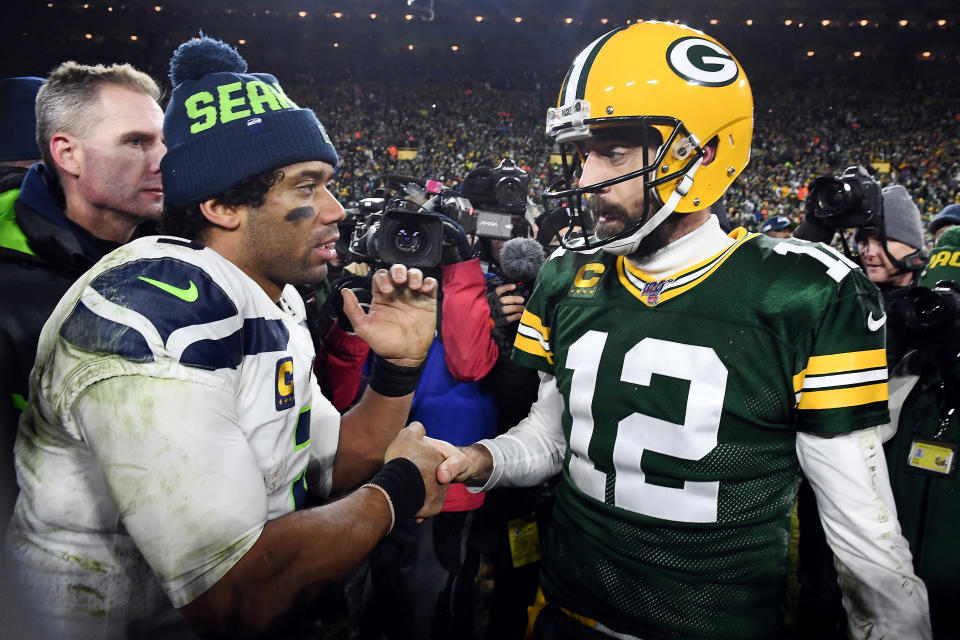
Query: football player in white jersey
[[175, 426], [689, 376]]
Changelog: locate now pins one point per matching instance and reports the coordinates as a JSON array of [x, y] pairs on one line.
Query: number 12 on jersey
[[692, 440]]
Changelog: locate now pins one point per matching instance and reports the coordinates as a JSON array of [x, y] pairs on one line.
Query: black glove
[[456, 247]]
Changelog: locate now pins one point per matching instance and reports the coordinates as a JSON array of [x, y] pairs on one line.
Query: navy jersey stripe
[[170, 293], [258, 335], [86, 330]]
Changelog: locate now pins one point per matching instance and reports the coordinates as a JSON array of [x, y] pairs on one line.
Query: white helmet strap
[[628, 245]]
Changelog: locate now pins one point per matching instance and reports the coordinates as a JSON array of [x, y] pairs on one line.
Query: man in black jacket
[[99, 131]]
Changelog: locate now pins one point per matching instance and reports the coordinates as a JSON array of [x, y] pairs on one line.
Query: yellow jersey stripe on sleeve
[[837, 398], [798, 381], [534, 322], [843, 362], [533, 347]]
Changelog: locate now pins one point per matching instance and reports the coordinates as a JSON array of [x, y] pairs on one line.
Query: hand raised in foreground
[[411, 443], [402, 318]]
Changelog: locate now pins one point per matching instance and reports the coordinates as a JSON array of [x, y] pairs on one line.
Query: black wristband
[[392, 380], [402, 482]]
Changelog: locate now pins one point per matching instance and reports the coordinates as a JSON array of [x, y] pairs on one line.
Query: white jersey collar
[[705, 241]]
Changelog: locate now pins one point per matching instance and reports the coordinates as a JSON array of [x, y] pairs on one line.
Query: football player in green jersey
[[689, 377]]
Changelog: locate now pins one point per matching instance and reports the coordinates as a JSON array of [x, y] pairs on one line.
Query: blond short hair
[[69, 99]]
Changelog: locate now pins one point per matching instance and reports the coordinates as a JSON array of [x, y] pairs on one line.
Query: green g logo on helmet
[[703, 62]]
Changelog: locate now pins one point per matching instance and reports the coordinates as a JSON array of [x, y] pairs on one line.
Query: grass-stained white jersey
[[682, 400], [172, 413]]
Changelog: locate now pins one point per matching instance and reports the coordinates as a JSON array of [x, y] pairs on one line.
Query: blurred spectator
[[18, 150], [948, 217], [18, 122], [776, 227]]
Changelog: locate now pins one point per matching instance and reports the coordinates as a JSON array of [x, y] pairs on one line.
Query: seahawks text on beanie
[[223, 125]]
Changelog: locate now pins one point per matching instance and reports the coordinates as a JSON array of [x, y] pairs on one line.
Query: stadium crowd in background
[[800, 134], [442, 130]]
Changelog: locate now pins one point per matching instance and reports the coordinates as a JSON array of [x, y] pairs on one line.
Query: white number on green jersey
[[692, 440]]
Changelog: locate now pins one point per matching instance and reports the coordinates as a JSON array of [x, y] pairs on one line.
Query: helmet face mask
[[669, 78], [568, 187]]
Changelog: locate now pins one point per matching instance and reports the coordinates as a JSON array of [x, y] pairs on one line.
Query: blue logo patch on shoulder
[[284, 386]]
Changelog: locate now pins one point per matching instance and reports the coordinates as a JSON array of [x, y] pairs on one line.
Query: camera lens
[[407, 240], [510, 190], [833, 196], [927, 310]]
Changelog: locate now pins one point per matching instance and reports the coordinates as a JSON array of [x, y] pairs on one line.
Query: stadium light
[[810, 54], [750, 22], [409, 47], [408, 17], [241, 41], [941, 22], [787, 22], [568, 20], [825, 23], [518, 19], [302, 14], [157, 8], [88, 36], [337, 14], [903, 23], [134, 38], [479, 18], [714, 21], [454, 47], [864, 22], [336, 45], [926, 54], [373, 16], [857, 54], [604, 20]]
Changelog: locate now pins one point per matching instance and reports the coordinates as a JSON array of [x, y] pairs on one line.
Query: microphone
[[520, 261]]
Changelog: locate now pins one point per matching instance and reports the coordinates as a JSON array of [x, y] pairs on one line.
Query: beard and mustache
[[619, 219]]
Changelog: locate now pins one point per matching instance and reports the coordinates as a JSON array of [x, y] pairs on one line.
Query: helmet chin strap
[[628, 245]]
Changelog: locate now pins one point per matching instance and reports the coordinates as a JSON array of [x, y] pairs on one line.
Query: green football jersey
[[683, 397]]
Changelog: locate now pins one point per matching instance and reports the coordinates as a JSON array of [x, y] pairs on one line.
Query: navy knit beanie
[[950, 214], [223, 124], [18, 120]]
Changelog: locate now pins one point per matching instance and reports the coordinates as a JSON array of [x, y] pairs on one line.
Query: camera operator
[[422, 575], [921, 455], [513, 520], [889, 240]]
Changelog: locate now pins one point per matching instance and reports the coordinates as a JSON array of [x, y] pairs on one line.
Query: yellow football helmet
[[664, 76]]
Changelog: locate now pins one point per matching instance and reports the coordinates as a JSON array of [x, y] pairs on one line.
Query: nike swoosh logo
[[188, 294], [872, 324]]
